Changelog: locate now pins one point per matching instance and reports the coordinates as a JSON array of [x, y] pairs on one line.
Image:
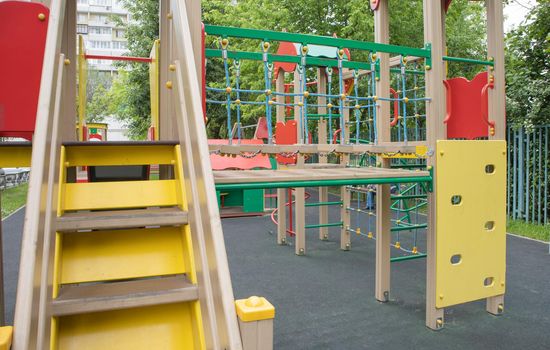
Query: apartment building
[[96, 22]]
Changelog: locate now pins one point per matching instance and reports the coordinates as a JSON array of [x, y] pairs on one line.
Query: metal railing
[[528, 175]]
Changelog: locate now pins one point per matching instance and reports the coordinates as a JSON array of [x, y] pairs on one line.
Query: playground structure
[[90, 269]]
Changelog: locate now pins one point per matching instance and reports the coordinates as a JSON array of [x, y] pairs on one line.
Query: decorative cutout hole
[[489, 225], [488, 282], [490, 168], [456, 199], [456, 259]]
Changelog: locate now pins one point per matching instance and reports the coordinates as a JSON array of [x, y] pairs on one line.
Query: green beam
[[411, 196], [310, 61], [333, 224], [306, 39], [322, 183], [468, 60], [408, 228], [321, 204], [408, 257]]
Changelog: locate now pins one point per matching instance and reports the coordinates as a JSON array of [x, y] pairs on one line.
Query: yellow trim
[[119, 155], [16, 157], [120, 194], [6, 334], [467, 252], [254, 309]]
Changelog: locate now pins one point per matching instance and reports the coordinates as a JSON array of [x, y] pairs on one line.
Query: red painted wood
[[467, 111], [286, 134], [22, 43], [374, 4], [222, 163], [447, 4]]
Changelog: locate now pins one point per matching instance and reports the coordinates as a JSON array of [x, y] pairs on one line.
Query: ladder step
[[96, 297], [105, 220], [118, 153]]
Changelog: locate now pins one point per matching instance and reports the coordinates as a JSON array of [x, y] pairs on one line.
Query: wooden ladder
[[123, 265]]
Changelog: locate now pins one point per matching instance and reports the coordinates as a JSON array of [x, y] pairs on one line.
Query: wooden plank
[[246, 176], [104, 220], [120, 195], [96, 297], [388, 147]]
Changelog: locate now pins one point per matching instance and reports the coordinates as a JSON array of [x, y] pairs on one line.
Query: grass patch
[[521, 228], [13, 199]]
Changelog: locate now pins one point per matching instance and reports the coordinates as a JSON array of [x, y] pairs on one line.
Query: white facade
[[102, 35]]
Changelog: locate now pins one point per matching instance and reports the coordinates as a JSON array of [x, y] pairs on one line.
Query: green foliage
[[97, 95], [528, 69], [130, 93], [521, 228]]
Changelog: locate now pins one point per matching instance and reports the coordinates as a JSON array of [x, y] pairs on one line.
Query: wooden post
[[322, 139], [167, 124], [497, 98], [435, 130], [383, 199], [299, 193], [2, 308], [345, 240], [281, 192]]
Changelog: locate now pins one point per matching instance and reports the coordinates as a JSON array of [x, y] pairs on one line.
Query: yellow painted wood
[[119, 194], [461, 228], [172, 326], [121, 254], [119, 155], [6, 334], [15, 157], [62, 182]]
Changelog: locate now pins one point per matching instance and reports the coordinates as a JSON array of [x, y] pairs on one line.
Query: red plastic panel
[[261, 129], [285, 48], [467, 107], [286, 134], [222, 163], [23, 27]]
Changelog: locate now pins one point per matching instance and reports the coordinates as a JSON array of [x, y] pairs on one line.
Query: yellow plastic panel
[[471, 233], [119, 155], [121, 254], [166, 327], [119, 195], [15, 156]]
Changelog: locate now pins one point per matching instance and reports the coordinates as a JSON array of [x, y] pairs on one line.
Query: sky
[[516, 12]]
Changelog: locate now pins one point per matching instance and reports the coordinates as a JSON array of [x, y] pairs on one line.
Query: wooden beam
[[383, 197], [435, 130], [322, 139], [497, 97], [495, 46]]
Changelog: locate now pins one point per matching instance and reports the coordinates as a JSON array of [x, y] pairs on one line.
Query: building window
[[82, 29], [82, 17], [83, 2], [120, 45], [120, 33], [95, 44], [100, 30]]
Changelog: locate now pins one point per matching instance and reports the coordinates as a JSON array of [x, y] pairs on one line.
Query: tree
[[528, 69]]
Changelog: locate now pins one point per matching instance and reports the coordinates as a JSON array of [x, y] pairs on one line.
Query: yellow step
[[96, 297], [119, 195], [167, 326], [15, 154], [121, 254], [117, 219], [113, 153]]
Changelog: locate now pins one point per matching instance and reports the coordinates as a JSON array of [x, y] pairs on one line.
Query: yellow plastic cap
[[254, 309], [6, 334]]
